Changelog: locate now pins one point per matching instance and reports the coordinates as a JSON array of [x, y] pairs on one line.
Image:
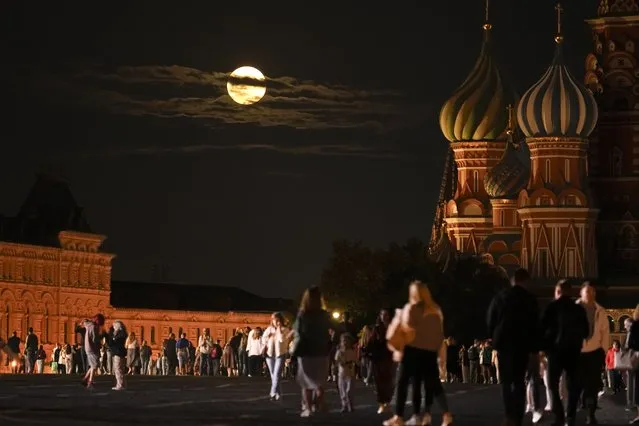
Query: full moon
[[246, 85]]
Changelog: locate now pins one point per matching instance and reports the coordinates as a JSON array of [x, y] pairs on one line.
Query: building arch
[[498, 246], [578, 200], [471, 207], [539, 197], [508, 259]]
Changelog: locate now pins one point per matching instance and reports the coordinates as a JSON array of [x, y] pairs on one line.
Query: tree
[[353, 279]]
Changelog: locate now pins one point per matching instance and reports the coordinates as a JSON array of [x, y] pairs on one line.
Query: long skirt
[[311, 371]]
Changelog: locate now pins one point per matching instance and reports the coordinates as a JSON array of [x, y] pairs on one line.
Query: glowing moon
[[246, 85]]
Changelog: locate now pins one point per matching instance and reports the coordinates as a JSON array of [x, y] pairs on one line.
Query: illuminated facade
[[561, 200], [53, 288]]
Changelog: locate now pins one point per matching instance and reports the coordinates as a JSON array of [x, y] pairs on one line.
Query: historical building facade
[[54, 286], [553, 189]]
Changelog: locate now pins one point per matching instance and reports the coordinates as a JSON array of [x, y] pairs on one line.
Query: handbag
[[395, 336], [626, 360]]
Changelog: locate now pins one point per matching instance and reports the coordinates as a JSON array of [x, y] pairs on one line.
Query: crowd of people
[[565, 347]]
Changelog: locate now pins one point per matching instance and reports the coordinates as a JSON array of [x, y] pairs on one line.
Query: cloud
[[182, 92], [306, 150]]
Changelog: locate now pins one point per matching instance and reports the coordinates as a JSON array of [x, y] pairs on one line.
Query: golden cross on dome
[[510, 109], [487, 24], [559, 38]]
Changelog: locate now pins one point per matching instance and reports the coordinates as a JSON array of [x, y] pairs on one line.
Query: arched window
[[45, 326], [547, 171], [475, 181]]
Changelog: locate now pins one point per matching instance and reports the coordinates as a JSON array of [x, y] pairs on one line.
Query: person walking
[[93, 331], [345, 358], [382, 362], [31, 345], [593, 352], [564, 327], [311, 349], [117, 338], [422, 323], [275, 340], [513, 323]]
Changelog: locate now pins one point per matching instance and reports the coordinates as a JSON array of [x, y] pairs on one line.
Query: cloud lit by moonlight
[[246, 85]]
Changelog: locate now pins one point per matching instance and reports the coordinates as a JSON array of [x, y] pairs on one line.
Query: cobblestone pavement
[[195, 401]]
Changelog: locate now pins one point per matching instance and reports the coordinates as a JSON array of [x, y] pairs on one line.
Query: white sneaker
[[414, 421], [529, 409], [536, 417], [305, 413], [427, 419], [394, 421], [548, 407], [382, 408], [447, 419], [277, 396]]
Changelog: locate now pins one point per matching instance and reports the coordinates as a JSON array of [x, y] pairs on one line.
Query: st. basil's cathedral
[[548, 180]]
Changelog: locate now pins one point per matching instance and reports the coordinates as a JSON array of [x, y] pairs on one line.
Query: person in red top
[[614, 376]]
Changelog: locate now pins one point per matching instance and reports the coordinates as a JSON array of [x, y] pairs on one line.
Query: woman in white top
[[275, 340], [254, 348], [132, 352], [422, 322]]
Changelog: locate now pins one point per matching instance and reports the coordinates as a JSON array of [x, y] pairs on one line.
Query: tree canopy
[[362, 280]]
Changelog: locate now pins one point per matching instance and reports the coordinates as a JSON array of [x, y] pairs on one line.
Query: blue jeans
[[275, 368], [205, 362]]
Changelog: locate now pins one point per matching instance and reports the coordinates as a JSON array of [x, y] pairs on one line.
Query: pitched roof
[[183, 297], [49, 208]]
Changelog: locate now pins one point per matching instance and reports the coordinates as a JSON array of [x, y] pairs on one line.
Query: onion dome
[[510, 174], [557, 105], [477, 109]]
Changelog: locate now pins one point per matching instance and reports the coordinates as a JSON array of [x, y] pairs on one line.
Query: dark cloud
[[305, 150], [177, 91]]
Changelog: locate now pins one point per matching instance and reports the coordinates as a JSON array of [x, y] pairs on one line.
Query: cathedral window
[[475, 181], [571, 261], [547, 171], [616, 161], [141, 333]]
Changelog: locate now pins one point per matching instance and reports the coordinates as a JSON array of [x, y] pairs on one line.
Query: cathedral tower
[[474, 120], [612, 71], [503, 184], [557, 114]]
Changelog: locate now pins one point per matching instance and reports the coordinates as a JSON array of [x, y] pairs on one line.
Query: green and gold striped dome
[[477, 111]]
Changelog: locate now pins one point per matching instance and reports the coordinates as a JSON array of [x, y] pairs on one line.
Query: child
[[117, 339], [345, 358]]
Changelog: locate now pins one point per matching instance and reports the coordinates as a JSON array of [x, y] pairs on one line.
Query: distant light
[[14, 364], [336, 314]]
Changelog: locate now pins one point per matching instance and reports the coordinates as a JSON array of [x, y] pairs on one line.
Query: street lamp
[[336, 315]]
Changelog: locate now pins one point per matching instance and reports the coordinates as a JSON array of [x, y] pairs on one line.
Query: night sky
[[128, 101]]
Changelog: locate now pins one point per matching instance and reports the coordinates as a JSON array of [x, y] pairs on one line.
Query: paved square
[[204, 401]]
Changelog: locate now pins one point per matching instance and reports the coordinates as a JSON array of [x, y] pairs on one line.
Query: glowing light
[[14, 364], [336, 315], [246, 85]]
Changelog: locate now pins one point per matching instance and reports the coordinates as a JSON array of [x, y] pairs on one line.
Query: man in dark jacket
[[513, 323], [31, 350], [564, 327]]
